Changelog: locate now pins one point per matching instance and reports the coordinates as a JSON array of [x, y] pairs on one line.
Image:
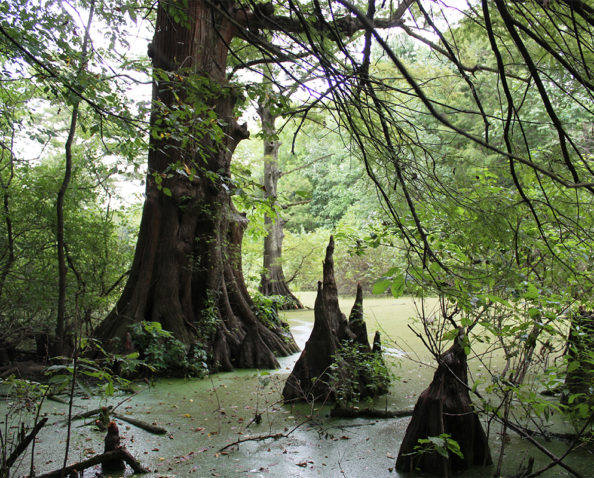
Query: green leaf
[[397, 286], [450, 335], [54, 368], [167, 191], [442, 451], [531, 292], [60, 379], [381, 286], [438, 441], [153, 326], [573, 366], [454, 447], [534, 312], [84, 388], [497, 299], [109, 389], [583, 410]]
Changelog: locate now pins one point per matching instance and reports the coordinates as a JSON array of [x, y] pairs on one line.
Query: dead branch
[[270, 436], [22, 446], [120, 453], [90, 413], [140, 424], [298, 268], [544, 450], [368, 413]]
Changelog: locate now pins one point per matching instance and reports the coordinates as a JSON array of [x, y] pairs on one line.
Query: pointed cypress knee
[[357, 323], [445, 407], [377, 343], [330, 347], [309, 379]]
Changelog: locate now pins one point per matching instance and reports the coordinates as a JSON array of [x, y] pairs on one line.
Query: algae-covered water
[[203, 416]]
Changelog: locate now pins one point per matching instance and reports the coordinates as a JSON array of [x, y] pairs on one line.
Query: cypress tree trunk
[[273, 280], [186, 272]]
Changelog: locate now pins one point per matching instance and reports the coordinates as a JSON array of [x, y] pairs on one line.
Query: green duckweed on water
[[204, 416]]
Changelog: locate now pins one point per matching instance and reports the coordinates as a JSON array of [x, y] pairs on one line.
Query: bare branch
[[306, 165]]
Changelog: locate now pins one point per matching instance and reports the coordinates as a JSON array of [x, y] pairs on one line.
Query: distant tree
[[273, 280], [52, 69]]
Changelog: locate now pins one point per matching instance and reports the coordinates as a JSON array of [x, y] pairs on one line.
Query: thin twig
[[270, 436]]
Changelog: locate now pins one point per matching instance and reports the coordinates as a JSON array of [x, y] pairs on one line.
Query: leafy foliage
[[442, 444], [164, 355], [267, 307], [356, 374]]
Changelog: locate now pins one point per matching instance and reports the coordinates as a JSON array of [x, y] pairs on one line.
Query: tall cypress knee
[[336, 349]]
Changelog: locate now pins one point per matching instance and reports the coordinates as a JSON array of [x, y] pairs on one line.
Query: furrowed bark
[[186, 272]]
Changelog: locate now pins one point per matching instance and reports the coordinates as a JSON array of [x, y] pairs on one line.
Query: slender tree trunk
[[5, 185], [58, 348], [273, 278], [186, 272]]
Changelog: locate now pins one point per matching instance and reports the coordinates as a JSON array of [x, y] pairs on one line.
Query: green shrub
[[357, 374], [266, 308], [164, 355]]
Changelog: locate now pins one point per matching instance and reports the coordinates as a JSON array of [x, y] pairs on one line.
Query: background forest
[[447, 148]]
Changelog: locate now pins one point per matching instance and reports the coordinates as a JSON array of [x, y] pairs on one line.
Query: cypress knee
[[336, 350], [445, 408], [112, 442]]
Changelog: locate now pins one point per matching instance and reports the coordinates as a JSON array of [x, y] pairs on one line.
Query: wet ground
[[204, 416]]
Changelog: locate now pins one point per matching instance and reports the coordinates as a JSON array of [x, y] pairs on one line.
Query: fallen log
[[22, 446], [140, 424], [89, 413], [368, 413], [157, 430], [119, 454], [56, 398]]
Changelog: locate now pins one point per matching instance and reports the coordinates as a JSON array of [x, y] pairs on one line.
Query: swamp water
[[203, 416]]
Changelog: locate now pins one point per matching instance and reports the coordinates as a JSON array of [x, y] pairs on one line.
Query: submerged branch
[[270, 436]]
